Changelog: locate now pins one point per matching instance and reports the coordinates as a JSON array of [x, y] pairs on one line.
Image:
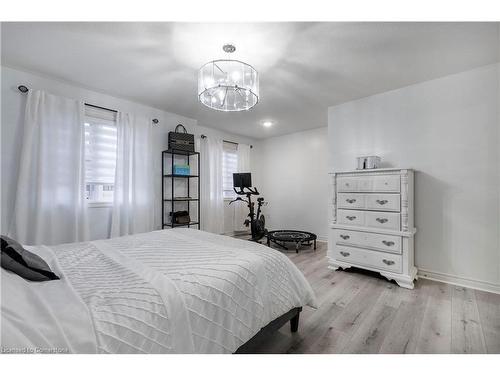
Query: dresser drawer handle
[[388, 243], [350, 200], [345, 236], [388, 262], [382, 202], [345, 253], [382, 220], [351, 218]]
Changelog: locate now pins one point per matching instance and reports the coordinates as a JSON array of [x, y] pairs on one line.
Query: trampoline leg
[[279, 244], [314, 245]]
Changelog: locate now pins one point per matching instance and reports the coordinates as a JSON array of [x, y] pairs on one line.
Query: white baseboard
[[459, 281]]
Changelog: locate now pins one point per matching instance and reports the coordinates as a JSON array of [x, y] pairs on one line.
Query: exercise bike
[[256, 221]]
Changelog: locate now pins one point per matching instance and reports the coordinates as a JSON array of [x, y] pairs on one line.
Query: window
[[100, 154], [229, 166]]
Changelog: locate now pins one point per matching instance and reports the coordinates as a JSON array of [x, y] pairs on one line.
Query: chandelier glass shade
[[228, 85]]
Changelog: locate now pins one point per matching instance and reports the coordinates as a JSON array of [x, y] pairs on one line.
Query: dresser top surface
[[374, 170]]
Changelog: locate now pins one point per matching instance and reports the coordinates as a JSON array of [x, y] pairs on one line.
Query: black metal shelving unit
[[168, 202]]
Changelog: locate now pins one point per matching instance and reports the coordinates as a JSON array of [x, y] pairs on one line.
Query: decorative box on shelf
[[372, 223], [182, 169]]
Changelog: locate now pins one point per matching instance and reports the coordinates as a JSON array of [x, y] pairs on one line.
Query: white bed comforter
[[170, 291]]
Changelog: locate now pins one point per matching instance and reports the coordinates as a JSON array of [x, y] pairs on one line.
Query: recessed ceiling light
[[267, 124]]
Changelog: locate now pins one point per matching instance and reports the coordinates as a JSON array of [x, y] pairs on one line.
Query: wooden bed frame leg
[[294, 323]]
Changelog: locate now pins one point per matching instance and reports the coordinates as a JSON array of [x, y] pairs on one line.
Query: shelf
[[182, 199], [180, 225], [180, 152], [174, 199]]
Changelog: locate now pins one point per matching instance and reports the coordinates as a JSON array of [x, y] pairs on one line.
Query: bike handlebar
[[250, 191]]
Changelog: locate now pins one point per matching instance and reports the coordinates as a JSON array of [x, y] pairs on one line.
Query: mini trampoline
[[300, 238]]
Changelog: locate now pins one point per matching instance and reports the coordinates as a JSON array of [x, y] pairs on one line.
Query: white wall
[[498, 117], [13, 103], [448, 131], [292, 176]]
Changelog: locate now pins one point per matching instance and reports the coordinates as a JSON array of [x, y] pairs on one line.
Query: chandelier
[[228, 85]]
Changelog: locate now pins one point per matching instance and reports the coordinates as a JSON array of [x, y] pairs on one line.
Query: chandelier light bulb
[[209, 81]]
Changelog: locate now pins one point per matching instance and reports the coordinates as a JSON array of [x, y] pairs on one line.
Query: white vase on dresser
[[372, 223]]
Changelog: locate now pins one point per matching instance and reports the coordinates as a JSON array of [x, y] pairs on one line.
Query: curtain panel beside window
[[212, 191], [50, 205], [229, 166], [133, 205]]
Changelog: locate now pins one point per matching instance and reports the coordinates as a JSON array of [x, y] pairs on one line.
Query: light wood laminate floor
[[361, 312]]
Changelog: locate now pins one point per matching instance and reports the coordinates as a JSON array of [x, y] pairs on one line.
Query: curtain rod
[[99, 107], [203, 136], [25, 89]]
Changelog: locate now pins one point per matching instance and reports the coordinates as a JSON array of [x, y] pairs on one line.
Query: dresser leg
[[335, 265], [405, 284], [401, 280]]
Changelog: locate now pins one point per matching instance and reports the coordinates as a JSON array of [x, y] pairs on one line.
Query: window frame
[[93, 114]]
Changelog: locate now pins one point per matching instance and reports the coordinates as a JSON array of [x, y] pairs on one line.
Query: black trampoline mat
[[291, 235]]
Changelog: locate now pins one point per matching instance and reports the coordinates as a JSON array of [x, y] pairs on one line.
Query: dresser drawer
[[390, 183], [383, 202], [384, 220], [351, 200], [351, 217], [375, 241], [356, 183], [369, 201], [348, 183], [382, 183], [369, 258]]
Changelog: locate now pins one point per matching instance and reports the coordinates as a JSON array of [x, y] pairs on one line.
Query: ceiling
[[304, 67]]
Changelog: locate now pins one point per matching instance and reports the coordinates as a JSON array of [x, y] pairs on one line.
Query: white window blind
[[229, 166], [100, 154]]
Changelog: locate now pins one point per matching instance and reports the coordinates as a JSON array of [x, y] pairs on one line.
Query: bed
[[168, 291]]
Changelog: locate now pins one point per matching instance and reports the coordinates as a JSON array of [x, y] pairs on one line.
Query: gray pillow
[[29, 266]]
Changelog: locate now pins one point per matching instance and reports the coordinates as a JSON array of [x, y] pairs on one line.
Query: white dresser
[[372, 223]]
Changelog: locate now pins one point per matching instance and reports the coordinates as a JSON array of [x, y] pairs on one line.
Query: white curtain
[[212, 197], [50, 205], [241, 209], [133, 206]]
